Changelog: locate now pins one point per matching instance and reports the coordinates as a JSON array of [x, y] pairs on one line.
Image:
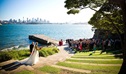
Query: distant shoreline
[[47, 23]]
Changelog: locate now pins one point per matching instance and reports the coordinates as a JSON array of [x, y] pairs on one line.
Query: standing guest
[[69, 43], [80, 46], [61, 42], [109, 44], [31, 47], [94, 47]]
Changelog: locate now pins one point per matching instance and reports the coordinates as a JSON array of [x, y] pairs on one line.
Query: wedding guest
[[61, 42], [94, 47]]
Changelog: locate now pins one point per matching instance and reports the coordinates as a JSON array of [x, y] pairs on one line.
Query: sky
[[52, 10]]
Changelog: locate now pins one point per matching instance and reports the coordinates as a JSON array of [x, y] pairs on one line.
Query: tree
[[74, 6], [109, 21]]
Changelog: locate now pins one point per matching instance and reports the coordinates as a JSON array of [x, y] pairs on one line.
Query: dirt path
[[63, 54]]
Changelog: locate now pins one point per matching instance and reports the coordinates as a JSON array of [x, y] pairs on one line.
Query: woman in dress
[[34, 57]]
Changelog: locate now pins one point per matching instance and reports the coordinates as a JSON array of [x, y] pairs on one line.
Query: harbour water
[[16, 35]]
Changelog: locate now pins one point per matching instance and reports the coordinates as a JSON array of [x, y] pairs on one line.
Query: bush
[[46, 51], [4, 56], [43, 53], [50, 52], [22, 53], [7, 55], [56, 50], [13, 54]]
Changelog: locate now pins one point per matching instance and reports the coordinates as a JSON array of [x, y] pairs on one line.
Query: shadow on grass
[[11, 66], [116, 53], [91, 53]]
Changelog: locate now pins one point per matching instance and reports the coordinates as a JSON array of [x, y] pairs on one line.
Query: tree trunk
[[122, 4], [123, 67]]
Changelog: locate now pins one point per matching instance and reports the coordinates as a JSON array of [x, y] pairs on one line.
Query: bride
[[34, 57]]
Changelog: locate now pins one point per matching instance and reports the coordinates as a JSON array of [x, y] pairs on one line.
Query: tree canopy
[[111, 20], [77, 5]]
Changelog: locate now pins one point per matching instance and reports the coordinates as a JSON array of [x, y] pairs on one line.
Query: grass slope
[[95, 69]]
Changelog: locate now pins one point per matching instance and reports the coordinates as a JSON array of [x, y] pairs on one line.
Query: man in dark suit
[[31, 47]]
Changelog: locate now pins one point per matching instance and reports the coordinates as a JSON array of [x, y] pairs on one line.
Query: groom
[[31, 47]]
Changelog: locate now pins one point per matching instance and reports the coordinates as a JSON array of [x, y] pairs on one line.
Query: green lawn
[[83, 57], [90, 57], [53, 70], [95, 69], [49, 69], [97, 61], [92, 54], [96, 53]]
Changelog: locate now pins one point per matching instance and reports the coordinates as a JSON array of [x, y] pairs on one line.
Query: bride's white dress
[[33, 58]]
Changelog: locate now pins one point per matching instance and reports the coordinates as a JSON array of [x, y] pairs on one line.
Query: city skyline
[[35, 21], [51, 10], [26, 21]]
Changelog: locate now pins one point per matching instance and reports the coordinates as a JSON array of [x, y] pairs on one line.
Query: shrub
[[13, 54], [43, 53], [4, 56], [7, 55], [46, 51], [22, 53], [56, 50], [50, 52]]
